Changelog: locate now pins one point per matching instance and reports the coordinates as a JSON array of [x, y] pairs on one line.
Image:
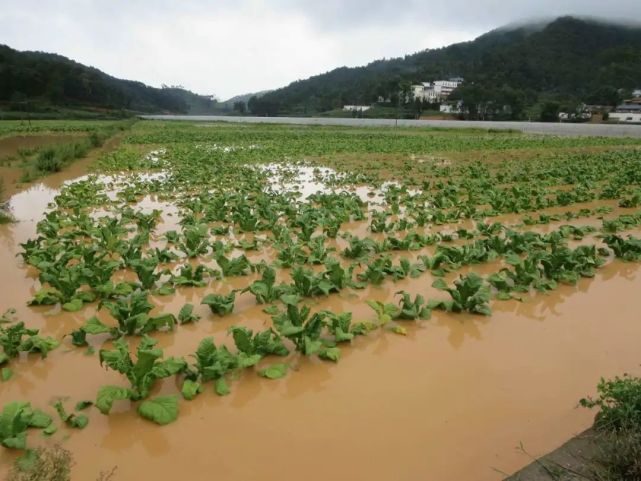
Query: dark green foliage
[[469, 294], [15, 419], [619, 403], [618, 422], [53, 159], [266, 289], [627, 249], [133, 316], [37, 76], [220, 304], [264, 343], [142, 373], [567, 61], [16, 338]]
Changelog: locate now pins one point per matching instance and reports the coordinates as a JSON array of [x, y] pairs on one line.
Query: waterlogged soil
[[9, 146], [452, 400], [11, 174]]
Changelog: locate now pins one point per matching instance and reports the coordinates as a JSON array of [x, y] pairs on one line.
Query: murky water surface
[[452, 400]]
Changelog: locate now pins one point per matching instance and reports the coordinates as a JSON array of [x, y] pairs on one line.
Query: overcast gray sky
[[229, 47]]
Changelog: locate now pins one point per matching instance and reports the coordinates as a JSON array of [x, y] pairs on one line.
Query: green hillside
[[508, 71], [38, 81]]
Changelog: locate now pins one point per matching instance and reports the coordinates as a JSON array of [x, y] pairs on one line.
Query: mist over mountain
[[566, 60]]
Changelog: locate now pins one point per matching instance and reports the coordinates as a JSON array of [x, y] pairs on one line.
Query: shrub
[[49, 160], [95, 139], [619, 401], [53, 159], [619, 421]]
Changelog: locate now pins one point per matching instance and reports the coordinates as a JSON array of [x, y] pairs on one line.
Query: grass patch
[[619, 456], [5, 217], [54, 158], [619, 423]]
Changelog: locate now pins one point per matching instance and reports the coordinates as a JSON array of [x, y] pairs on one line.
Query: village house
[[629, 111], [437, 91], [356, 108], [452, 107], [582, 112]]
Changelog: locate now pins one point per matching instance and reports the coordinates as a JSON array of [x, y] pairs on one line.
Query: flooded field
[[422, 313], [10, 146]]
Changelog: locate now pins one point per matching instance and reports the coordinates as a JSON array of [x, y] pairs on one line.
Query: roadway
[[564, 129]]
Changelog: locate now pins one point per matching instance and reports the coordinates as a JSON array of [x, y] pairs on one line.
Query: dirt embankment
[[570, 462]]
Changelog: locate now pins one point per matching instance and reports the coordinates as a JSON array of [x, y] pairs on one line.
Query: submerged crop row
[[281, 217]]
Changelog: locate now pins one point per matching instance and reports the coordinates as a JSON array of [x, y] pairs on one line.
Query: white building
[[433, 92], [356, 108], [446, 87], [636, 93], [629, 112], [582, 113], [451, 107]]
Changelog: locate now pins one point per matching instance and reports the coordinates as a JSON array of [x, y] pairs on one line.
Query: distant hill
[[245, 97], [507, 72], [38, 80]]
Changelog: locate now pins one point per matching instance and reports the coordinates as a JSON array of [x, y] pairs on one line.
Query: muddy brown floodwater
[[10, 146], [451, 401]]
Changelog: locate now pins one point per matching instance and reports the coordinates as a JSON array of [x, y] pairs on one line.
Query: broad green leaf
[[80, 405], [94, 326], [190, 389], [50, 430], [40, 419], [186, 314], [330, 353], [74, 305], [275, 371], [165, 290], [245, 360], [27, 461], [161, 410], [14, 421], [399, 330], [290, 299], [78, 421], [6, 374], [221, 387], [108, 394], [19, 441]]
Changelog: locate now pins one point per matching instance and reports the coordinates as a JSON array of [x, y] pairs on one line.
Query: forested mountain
[[507, 71], [37, 80]]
